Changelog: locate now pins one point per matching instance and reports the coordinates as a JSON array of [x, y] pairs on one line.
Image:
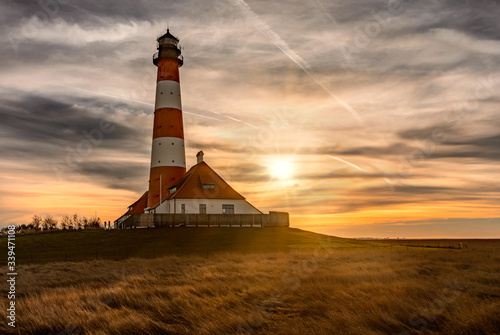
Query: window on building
[[208, 185], [169, 210], [227, 209], [183, 208], [203, 209]]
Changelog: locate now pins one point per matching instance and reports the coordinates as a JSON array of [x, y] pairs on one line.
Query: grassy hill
[[151, 243], [362, 291], [231, 281]]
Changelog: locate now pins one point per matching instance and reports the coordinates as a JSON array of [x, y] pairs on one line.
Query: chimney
[[199, 157]]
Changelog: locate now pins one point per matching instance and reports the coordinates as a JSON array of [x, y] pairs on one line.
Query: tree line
[[67, 222]]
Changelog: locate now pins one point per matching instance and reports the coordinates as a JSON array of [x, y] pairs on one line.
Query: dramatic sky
[[360, 118]]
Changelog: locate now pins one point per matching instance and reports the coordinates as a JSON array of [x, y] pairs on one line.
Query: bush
[[66, 222], [36, 221], [49, 222], [76, 222], [94, 222]]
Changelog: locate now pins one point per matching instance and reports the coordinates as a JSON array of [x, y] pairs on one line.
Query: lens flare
[[282, 169]]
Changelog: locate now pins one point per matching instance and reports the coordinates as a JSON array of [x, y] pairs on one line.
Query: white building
[[202, 191]]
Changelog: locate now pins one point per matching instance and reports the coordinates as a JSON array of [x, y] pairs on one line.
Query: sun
[[281, 168]]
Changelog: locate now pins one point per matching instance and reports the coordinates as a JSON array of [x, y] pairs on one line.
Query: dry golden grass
[[369, 291]]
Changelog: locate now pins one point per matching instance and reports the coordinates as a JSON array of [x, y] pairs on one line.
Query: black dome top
[[168, 35]]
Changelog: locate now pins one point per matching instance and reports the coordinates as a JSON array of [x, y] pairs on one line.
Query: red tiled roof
[[191, 185], [138, 206]]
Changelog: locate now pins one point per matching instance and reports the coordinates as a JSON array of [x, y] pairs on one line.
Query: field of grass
[[316, 288], [151, 243]]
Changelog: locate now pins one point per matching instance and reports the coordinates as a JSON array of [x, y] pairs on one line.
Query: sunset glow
[[394, 137], [281, 169]]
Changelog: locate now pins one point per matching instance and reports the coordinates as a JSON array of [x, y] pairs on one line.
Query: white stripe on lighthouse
[[168, 94], [168, 151]]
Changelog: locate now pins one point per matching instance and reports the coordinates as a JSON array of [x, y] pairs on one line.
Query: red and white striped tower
[[168, 158]]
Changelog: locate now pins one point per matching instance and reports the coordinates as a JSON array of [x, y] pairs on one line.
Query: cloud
[[481, 143], [439, 131], [66, 68], [33, 118], [450, 142], [388, 152], [247, 173], [132, 176], [41, 132]]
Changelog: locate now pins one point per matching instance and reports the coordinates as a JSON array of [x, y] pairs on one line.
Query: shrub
[[94, 222], [36, 221], [76, 222], [66, 222], [49, 222]]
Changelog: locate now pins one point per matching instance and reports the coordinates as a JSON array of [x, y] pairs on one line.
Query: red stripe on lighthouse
[[168, 123], [168, 70]]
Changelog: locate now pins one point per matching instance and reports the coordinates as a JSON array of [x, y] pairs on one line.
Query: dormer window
[[172, 190], [207, 181]]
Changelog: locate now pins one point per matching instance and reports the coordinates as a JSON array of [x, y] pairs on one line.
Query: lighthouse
[[168, 158], [176, 197]]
